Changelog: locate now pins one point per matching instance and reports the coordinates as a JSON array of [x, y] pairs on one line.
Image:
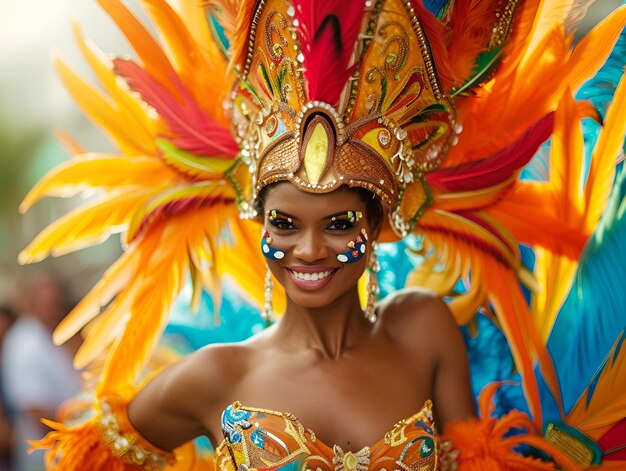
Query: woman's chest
[[349, 404], [265, 439]]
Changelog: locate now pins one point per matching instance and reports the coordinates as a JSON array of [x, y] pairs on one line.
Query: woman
[[323, 351], [326, 102]]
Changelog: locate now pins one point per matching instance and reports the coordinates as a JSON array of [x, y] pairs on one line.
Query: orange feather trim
[[109, 442], [483, 445]]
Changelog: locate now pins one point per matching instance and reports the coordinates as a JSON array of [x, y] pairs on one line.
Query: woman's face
[[312, 230]]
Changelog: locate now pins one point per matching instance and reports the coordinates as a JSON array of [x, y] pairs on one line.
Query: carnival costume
[[434, 108]]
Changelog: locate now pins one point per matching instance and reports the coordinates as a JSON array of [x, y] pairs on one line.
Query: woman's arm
[[153, 430]]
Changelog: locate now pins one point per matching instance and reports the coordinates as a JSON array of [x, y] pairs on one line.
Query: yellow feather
[[138, 121], [200, 68], [101, 333], [154, 60], [163, 254], [112, 282], [99, 108], [88, 225], [554, 274], [550, 14], [98, 171], [608, 399], [67, 141], [605, 155]]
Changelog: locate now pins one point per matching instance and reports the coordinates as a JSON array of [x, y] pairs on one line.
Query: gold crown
[[391, 122]]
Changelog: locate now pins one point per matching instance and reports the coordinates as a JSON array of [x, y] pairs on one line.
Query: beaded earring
[[373, 267], [356, 249]]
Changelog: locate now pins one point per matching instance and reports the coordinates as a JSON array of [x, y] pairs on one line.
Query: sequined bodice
[[266, 439]]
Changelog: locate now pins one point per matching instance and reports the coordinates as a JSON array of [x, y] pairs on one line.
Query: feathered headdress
[[364, 93]]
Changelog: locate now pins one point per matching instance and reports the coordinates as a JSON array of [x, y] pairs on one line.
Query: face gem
[[351, 244], [266, 248], [279, 254], [355, 253], [358, 239], [342, 258], [363, 248]]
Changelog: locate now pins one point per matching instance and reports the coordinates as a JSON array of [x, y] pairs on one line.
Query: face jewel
[[271, 125], [355, 253], [384, 138], [316, 153]]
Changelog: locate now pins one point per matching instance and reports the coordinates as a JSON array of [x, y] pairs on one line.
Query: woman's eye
[[340, 226], [282, 224]]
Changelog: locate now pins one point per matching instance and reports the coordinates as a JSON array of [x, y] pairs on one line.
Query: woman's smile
[[311, 277]]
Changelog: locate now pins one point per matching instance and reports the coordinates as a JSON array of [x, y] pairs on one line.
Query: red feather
[[613, 442], [195, 130], [328, 33], [496, 168], [471, 27]]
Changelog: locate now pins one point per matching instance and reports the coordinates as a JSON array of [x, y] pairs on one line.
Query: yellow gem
[[350, 461], [316, 154]]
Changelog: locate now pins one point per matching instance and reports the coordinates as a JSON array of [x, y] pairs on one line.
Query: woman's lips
[[311, 278]]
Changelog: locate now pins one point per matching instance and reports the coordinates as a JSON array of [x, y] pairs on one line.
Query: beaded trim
[[503, 27], [426, 51], [124, 445]]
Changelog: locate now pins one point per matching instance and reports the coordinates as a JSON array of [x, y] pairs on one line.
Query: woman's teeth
[[311, 276]]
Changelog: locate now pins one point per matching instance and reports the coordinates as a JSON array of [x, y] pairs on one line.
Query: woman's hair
[[373, 206]]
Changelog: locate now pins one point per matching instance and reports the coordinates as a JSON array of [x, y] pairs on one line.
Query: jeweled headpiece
[[345, 93]]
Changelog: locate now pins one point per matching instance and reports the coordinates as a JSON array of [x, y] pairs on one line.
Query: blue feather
[[437, 7], [593, 313]]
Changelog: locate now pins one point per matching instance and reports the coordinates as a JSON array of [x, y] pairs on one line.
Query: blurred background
[[34, 107]]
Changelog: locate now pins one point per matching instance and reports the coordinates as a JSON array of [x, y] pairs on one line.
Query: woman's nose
[[310, 247]]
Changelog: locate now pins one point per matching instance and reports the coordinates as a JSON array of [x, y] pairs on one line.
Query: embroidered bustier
[[265, 439]]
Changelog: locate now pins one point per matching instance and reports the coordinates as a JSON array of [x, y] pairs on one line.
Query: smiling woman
[[352, 122]]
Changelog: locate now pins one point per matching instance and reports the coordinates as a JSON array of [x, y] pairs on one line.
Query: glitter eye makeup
[[351, 216], [356, 249]]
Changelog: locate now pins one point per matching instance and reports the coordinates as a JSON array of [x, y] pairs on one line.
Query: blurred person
[[6, 320], [37, 375]]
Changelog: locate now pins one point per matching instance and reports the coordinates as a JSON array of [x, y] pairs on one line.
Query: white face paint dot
[[363, 248], [278, 254], [266, 248], [342, 258]]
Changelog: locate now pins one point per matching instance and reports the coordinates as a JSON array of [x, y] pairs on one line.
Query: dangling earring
[[267, 305], [373, 267]]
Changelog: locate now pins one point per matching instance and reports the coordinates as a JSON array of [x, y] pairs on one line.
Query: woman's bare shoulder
[[179, 402], [414, 313], [412, 305], [210, 372]]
